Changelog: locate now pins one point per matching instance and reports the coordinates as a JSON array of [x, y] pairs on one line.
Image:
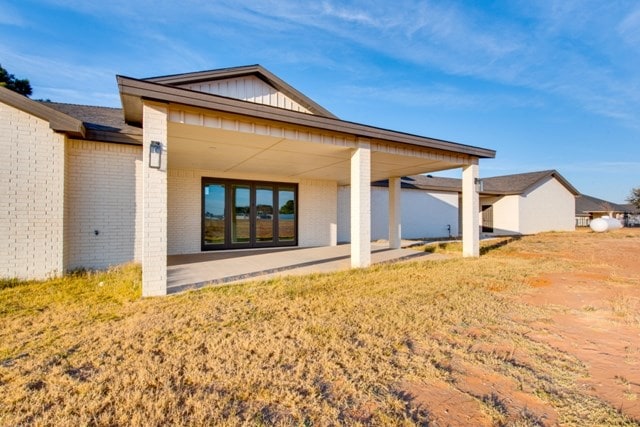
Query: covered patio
[[203, 136], [193, 271]]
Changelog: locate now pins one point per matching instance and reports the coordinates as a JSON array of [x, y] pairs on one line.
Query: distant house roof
[[522, 182], [247, 70], [497, 185], [426, 182], [588, 204]]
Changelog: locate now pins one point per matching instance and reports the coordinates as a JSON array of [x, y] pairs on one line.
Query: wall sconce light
[[155, 154], [479, 185]]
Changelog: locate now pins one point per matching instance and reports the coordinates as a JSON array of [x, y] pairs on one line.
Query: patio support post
[[470, 211], [361, 204], [154, 203], [395, 213]]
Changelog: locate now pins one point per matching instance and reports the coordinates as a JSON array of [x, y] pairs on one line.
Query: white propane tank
[[599, 225], [613, 223]]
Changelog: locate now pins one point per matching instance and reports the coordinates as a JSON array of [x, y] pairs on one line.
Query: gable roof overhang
[[248, 70], [133, 92], [58, 122], [506, 185], [518, 184]]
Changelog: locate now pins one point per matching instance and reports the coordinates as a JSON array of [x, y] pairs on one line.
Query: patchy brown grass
[[386, 345]]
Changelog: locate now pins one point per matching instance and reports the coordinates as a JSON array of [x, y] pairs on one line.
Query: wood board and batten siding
[[248, 88]]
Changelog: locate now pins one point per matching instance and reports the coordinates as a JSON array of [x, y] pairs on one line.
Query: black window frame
[[228, 244]]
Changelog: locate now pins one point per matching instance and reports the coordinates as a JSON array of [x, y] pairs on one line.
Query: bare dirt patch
[[594, 315], [590, 315]]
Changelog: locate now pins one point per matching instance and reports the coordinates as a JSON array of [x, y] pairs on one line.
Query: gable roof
[[520, 183], [134, 91], [497, 185], [586, 204], [58, 122], [101, 123], [248, 70]]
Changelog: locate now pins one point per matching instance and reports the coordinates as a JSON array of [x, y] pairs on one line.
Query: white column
[[470, 212], [395, 213], [361, 205], [154, 203]]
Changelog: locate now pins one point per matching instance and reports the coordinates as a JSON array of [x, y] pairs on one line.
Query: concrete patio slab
[[224, 267]]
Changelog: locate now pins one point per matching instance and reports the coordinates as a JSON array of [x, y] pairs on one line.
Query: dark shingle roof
[[429, 182], [586, 204], [101, 123], [521, 182], [499, 185]]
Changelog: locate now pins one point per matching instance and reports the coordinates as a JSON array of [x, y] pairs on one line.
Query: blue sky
[[548, 84]]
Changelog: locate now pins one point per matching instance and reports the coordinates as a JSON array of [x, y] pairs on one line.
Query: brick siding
[[32, 196]]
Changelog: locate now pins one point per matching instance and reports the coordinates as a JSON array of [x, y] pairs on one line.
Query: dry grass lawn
[[386, 345]]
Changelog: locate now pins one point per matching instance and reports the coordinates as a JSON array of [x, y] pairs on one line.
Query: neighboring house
[[526, 203], [589, 207], [224, 159], [429, 208]]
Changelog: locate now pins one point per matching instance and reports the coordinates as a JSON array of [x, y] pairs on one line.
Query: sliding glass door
[[246, 214]]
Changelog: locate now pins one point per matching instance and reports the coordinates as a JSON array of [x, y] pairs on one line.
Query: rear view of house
[[216, 160]]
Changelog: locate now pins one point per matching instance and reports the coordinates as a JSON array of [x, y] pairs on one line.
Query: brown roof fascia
[[541, 175], [133, 91], [435, 186], [58, 122], [555, 174], [564, 182], [256, 70], [115, 137]]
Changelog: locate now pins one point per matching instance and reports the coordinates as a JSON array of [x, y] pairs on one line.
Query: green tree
[[634, 197], [287, 208], [21, 86]]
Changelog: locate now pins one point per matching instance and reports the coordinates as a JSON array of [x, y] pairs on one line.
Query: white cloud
[[568, 49], [629, 28], [10, 16]]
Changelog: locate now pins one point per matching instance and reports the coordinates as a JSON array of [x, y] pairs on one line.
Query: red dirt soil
[[594, 316], [597, 318]]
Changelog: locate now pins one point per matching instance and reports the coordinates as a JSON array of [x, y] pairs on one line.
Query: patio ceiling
[[198, 147]]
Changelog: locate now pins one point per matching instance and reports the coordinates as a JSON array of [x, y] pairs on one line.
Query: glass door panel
[[264, 214], [286, 214], [214, 214], [241, 216], [245, 214]]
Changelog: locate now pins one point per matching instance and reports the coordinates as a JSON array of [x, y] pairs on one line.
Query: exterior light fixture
[[155, 155], [479, 185]]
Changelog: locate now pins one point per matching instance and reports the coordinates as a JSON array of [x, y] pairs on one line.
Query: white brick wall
[[318, 213], [317, 208], [32, 194], [103, 193], [184, 220], [361, 205], [154, 203]]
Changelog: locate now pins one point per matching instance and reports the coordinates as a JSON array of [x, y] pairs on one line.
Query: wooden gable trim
[[58, 122]]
